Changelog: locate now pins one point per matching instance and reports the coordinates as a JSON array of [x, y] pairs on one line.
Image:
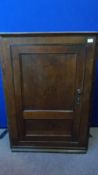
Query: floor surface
[[19, 163]]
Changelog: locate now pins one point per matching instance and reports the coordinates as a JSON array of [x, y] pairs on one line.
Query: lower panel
[[48, 136], [42, 127]]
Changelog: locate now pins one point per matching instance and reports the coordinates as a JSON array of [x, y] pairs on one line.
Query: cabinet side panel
[[88, 81], [9, 89]]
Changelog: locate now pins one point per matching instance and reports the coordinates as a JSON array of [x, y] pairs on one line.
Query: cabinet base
[[49, 150]]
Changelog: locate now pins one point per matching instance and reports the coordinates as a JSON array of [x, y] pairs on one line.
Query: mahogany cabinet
[[48, 80]]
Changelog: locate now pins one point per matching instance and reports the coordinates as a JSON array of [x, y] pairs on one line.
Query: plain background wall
[[3, 114], [94, 114], [48, 16]]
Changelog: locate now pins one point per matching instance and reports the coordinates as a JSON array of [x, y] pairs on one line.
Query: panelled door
[[48, 81]]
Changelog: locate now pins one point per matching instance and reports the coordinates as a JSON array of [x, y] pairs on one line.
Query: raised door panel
[[50, 80]]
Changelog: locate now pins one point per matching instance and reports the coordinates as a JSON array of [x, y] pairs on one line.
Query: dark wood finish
[[48, 81]]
